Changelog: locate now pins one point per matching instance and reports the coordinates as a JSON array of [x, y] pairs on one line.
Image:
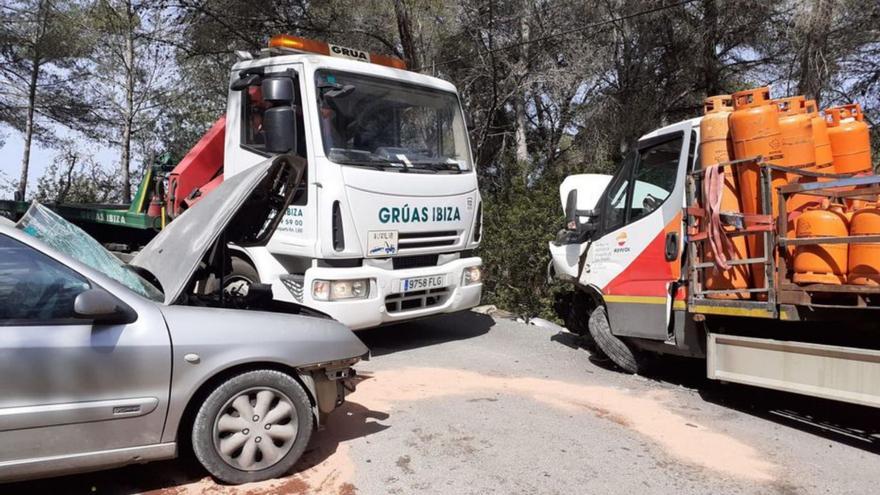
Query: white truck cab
[[385, 227]]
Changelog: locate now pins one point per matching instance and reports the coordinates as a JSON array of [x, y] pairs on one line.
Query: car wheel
[[253, 427], [624, 355], [240, 278]]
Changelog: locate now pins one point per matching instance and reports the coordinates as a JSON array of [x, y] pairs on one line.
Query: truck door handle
[[671, 246]]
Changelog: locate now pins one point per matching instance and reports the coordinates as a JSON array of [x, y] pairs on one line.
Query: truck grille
[[396, 303], [404, 262], [417, 240]]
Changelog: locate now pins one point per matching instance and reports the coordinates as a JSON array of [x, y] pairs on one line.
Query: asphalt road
[[468, 404]]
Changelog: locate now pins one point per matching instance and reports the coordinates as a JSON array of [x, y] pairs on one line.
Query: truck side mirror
[[571, 221], [278, 90], [279, 126]]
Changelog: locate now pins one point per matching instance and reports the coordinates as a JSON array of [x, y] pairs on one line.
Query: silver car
[[106, 364]]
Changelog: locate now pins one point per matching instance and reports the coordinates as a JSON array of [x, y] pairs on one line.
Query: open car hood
[[246, 208]]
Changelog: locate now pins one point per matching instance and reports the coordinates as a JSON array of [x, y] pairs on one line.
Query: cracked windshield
[[47, 226], [383, 124]]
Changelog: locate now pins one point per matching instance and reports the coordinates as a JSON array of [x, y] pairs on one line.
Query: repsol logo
[[414, 214], [341, 51]]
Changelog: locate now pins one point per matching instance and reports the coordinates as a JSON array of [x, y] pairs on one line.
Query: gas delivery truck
[[708, 242]]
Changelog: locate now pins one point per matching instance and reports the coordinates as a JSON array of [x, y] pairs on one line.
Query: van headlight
[[472, 275], [335, 290]]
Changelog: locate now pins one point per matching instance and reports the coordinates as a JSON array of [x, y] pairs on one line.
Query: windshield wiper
[[378, 164], [438, 166], [388, 165]]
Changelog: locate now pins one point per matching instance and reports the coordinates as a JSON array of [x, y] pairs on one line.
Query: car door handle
[[671, 246]]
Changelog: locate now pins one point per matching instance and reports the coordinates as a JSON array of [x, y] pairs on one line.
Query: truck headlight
[[472, 275], [335, 290]]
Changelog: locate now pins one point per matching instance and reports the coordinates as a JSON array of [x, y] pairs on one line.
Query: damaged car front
[[248, 377]]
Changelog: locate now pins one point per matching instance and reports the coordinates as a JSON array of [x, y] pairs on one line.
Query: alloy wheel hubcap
[[255, 429]]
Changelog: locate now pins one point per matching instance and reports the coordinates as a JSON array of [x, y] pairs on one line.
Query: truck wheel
[[622, 354], [575, 314], [239, 280], [253, 427]]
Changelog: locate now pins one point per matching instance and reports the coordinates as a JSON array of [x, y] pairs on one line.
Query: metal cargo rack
[[699, 298], [833, 296], [780, 297]]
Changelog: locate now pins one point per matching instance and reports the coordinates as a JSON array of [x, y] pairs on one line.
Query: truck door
[[635, 258]]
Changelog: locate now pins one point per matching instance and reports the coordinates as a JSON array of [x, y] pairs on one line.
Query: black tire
[[625, 356], [205, 447], [576, 312], [243, 271]]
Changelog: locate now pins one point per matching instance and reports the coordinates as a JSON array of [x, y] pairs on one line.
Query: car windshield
[[47, 226], [384, 124]]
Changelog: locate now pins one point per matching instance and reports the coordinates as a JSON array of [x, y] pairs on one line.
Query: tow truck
[[632, 251], [387, 217]]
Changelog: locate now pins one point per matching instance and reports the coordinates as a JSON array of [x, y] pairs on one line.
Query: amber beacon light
[[305, 45]]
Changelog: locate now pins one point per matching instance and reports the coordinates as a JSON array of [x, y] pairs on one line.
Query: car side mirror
[[101, 307]]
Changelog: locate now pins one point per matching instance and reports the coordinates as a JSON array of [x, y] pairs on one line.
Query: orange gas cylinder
[[850, 141], [821, 263], [754, 127], [796, 127], [717, 147], [864, 259], [824, 158], [796, 205], [715, 143]]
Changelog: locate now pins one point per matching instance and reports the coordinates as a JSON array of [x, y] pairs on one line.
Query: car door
[[635, 260], [71, 386]]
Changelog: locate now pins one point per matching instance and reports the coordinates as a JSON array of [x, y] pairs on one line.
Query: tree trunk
[[813, 74], [128, 121], [519, 104], [710, 41], [29, 129], [404, 29]]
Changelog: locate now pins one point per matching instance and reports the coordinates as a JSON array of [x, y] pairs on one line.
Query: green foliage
[[518, 224]]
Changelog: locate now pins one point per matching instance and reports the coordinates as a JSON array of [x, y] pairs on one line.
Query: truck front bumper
[[387, 302]]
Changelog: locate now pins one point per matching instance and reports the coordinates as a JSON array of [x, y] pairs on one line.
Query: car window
[[34, 287]]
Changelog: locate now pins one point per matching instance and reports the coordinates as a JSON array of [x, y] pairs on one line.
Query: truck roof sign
[[304, 45]]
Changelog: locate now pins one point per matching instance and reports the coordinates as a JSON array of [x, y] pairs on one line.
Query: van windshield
[[373, 122]]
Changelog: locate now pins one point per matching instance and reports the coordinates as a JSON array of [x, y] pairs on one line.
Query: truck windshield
[[47, 226], [373, 122]]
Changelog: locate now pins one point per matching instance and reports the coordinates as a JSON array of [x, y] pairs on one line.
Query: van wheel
[[240, 278], [253, 427], [625, 356]]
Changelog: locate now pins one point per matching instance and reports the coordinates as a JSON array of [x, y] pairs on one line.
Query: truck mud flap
[[846, 374]]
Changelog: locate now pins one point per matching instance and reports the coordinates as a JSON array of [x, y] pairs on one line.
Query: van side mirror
[[101, 307]]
